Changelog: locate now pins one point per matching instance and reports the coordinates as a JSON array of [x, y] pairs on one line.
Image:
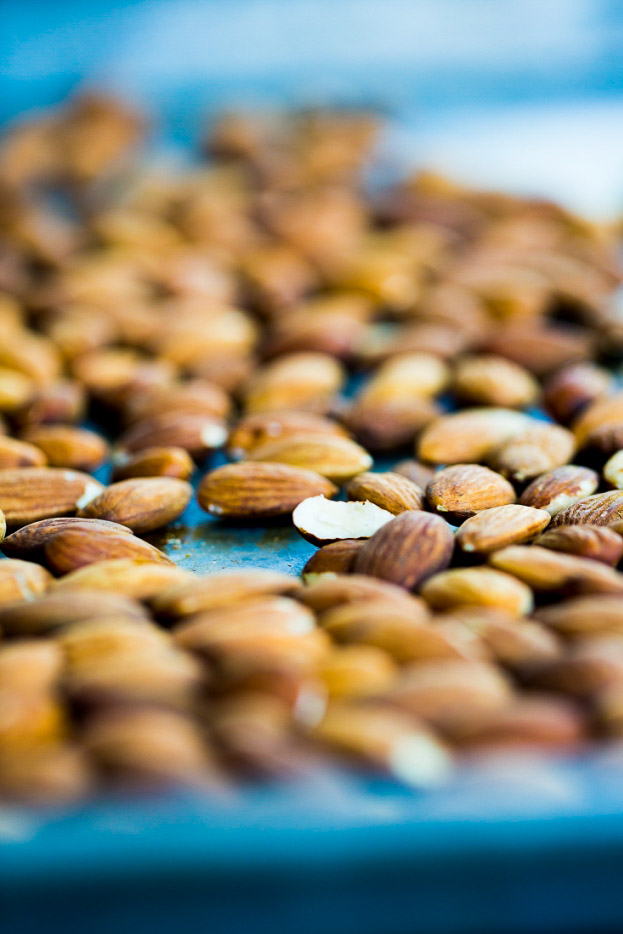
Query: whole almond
[[142, 504], [256, 616], [33, 493], [356, 671], [574, 387], [52, 610], [490, 380], [463, 490], [532, 722], [198, 397], [530, 453], [69, 446], [76, 547], [14, 453], [469, 436], [547, 570], [557, 489], [589, 666], [519, 644], [16, 389], [333, 457], [418, 473], [599, 509], [500, 526], [255, 430], [390, 491], [306, 381], [30, 539], [22, 580], [256, 489], [131, 577], [2, 525], [587, 541], [407, 375], [613, 470], [335, 590], [541, 348], [478, 587], [334, 558], [154, 462], [585, 616], [389, 424], [200, 594], [603, 412], [197, 434], [407, 550]]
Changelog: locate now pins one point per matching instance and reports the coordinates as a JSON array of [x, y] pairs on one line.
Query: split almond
[[407, 550], [463, 490], [500, 526], [253, 490], [321, 520], [141, 504]]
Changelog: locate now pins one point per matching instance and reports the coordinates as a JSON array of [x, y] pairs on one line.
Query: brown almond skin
[[142, 504], [201, 594], [546, 570], [335, 558], [333, 457], [334, 590], [557, 489], [481, 587], [197, 434], [2, 525], [52, 610], [74, 548], [601, 413], [69, 446], [14, 453], [518, 644], [389, 490], [418, 473], [407, 550], [30, 539], [500, 526], [389, 424], [33, 493], [199, 397], [584, 616], [22, 580], [463, 490], [252, 431], [574, 387], [258, 489], [469, 436], [527, 722], [534, 451], [156, 462], [130, 577], [490, 380], [587, 541], [599, 509]]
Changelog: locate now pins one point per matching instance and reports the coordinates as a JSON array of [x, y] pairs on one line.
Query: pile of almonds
[[266, 303]]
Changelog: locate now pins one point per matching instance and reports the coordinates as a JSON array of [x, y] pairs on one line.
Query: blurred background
[[525, 94]]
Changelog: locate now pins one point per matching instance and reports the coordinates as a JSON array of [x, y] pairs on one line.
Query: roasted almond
[[574, 387], [599, 509], [490, 380], [22, 580], [547, 570], [76, 547], [469, 436], [527, 722], [252, 431], [530, 453], [601, 413], [587, 541], [33, 493], [557, 489], [500, 526], [131, 577], [389, 424], [142, 504], [418, 473], [197, 434], [407, 550], [321, 520], [519, 644], [14, 453], [306, 381], [154, 462], [482, 587], [30, 539], [53, 610], [463, 490], [333, 457], [68, 446], [613, 470], [334, 590], [198, 397], [253, 490], [390, 491], [200, 594], [335, 558], [585, 616]]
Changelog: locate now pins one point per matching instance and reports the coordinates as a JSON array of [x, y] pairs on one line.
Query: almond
[[16, 389], [603, 412], [252, 431], [264, 614], [599, 509], [533, 722], [21, 580], [52, 610], [589, 666], [389, 424], [130, 577], [14, 453], [335, 590], [490, 380], [154, 462], [356, 671], [76, 547], [321, 520], [585, 616], [541, 348], [407, 376], [407, 550], [306, 381], [559, 488], [214, 591], [418, 473], [197, 434], [333, 457], [30, 539], [43, 492], [613, 470], [500, 526], [519, 644], [574, 387], [469, 436], [2, 525], [482, 587], [548, 570], [68, 446], [254, 490], [142, 504], [532, 452], [463, 490], [390, 491], [587, 541], [335, 558], [62, 401], [198, 397]]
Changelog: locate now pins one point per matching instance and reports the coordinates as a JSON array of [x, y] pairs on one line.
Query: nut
[[197, 434], [336, 558], [253, 490], [30, 539], [418, 473], [571, 389], [532, 452], [253, 431], [469, 436], [131, 577], [613, 470], [21, 580], [333, 457], [599, 509], [76, 547], [154, 462], [557, 489], [68, 446], [407, 550], [500, 526], [33, 493], [211, 592], [603, 413], [141, 504], [587, 541], [14, 453], [491, 380], [519, 644], [585, 616], [482, 587], [549, 570], [321, 521], [463, 490], [335, 590], [53, 610], [305, 381], [390, 491]]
